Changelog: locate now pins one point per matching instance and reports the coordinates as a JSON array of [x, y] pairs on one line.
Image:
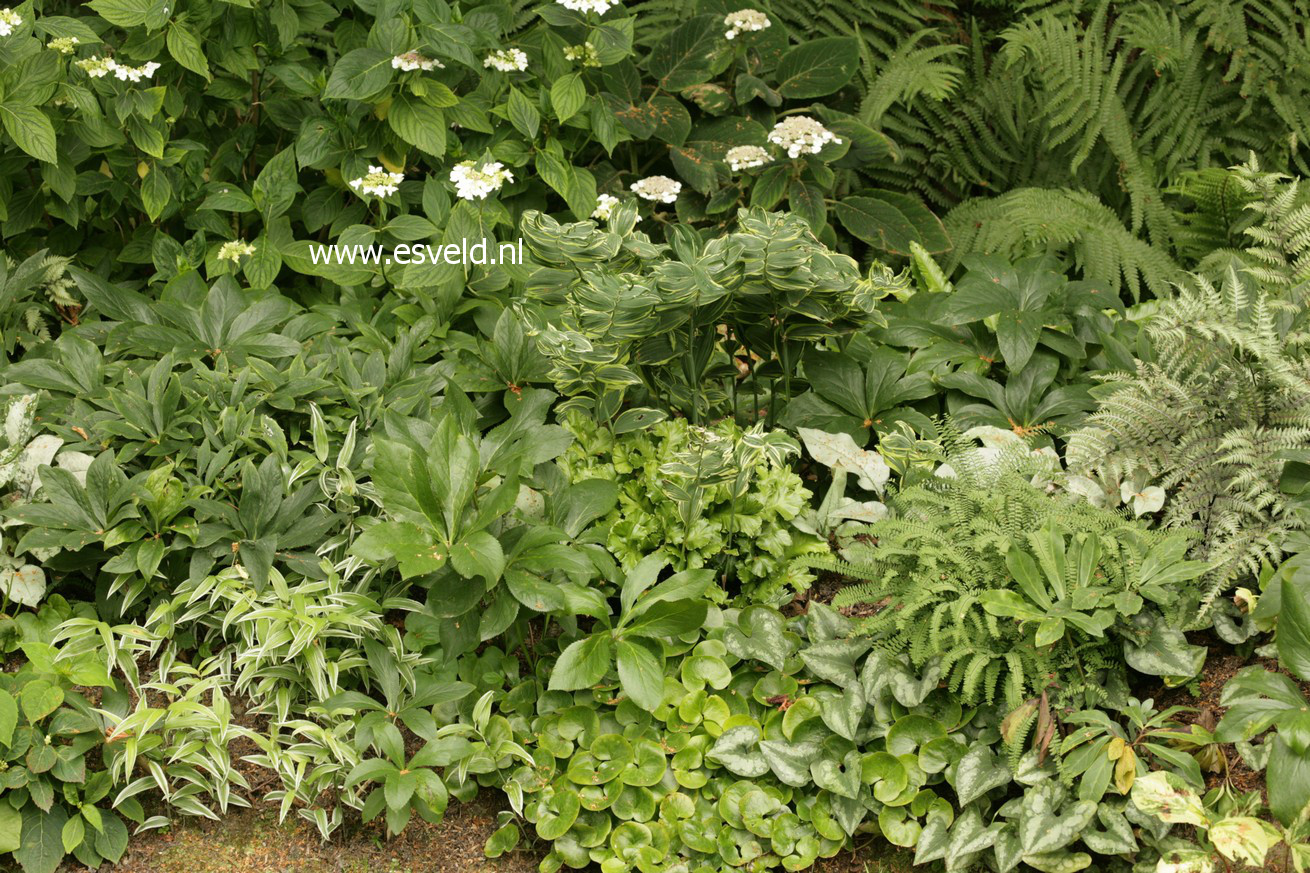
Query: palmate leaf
[[866, 388], [1027, 400]]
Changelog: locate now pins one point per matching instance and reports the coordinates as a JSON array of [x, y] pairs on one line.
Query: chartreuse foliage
[[54, 800], [718, 498]]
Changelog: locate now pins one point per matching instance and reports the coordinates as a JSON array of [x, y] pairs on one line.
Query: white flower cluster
[[507, 60], [411, 61], [584, 54], [475, 183], [233, 251], [378, 181], [745, 21], [97, 67], [745, 157], [801, 135], [600, 7], [63, 44], [134, 74], [605, 204], [659, 188], [9, 20]]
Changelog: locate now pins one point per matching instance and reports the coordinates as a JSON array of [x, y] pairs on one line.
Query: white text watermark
[[479, 252]]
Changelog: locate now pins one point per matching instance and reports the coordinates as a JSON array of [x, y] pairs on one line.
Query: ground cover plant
[[879, 424]]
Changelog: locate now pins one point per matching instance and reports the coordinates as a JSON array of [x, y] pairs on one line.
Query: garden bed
[[660, 436]]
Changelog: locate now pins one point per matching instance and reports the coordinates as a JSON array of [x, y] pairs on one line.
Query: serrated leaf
[[186, 50], [31, 130], [523, 114], [42, 847], [567, 96], [818, 67], [478, 554], [418, 123], [359, 74], [687, 56], [156, 191], [39, 698]]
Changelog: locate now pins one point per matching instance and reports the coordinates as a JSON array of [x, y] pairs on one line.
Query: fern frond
[[1063, 220]]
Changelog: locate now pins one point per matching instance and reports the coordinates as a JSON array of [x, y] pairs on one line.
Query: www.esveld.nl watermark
[[404, 254]]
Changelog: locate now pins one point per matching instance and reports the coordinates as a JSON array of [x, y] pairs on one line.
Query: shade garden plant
[[893, 433]]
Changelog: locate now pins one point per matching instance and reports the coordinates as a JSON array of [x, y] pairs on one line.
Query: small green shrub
[[54, 798], [720, 498], [1005, 591]]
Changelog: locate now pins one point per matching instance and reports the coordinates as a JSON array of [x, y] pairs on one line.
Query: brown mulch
[[1221, 664], [252, 841]]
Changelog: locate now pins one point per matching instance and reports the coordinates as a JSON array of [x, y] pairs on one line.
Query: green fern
[[1061, 220], [1211, 418]]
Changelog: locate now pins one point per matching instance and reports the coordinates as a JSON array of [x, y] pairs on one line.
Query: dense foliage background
[[900, 410]]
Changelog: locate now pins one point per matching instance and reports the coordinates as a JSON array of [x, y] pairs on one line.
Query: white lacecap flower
[[411, 61], [233, 251], [97, 67], [63, 44], [659, 188], [378, 181], [745, 21], [744, 157], [605, 204], [507, 60], [475, 183], [801, 135], [9, 21], [600, 7]]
